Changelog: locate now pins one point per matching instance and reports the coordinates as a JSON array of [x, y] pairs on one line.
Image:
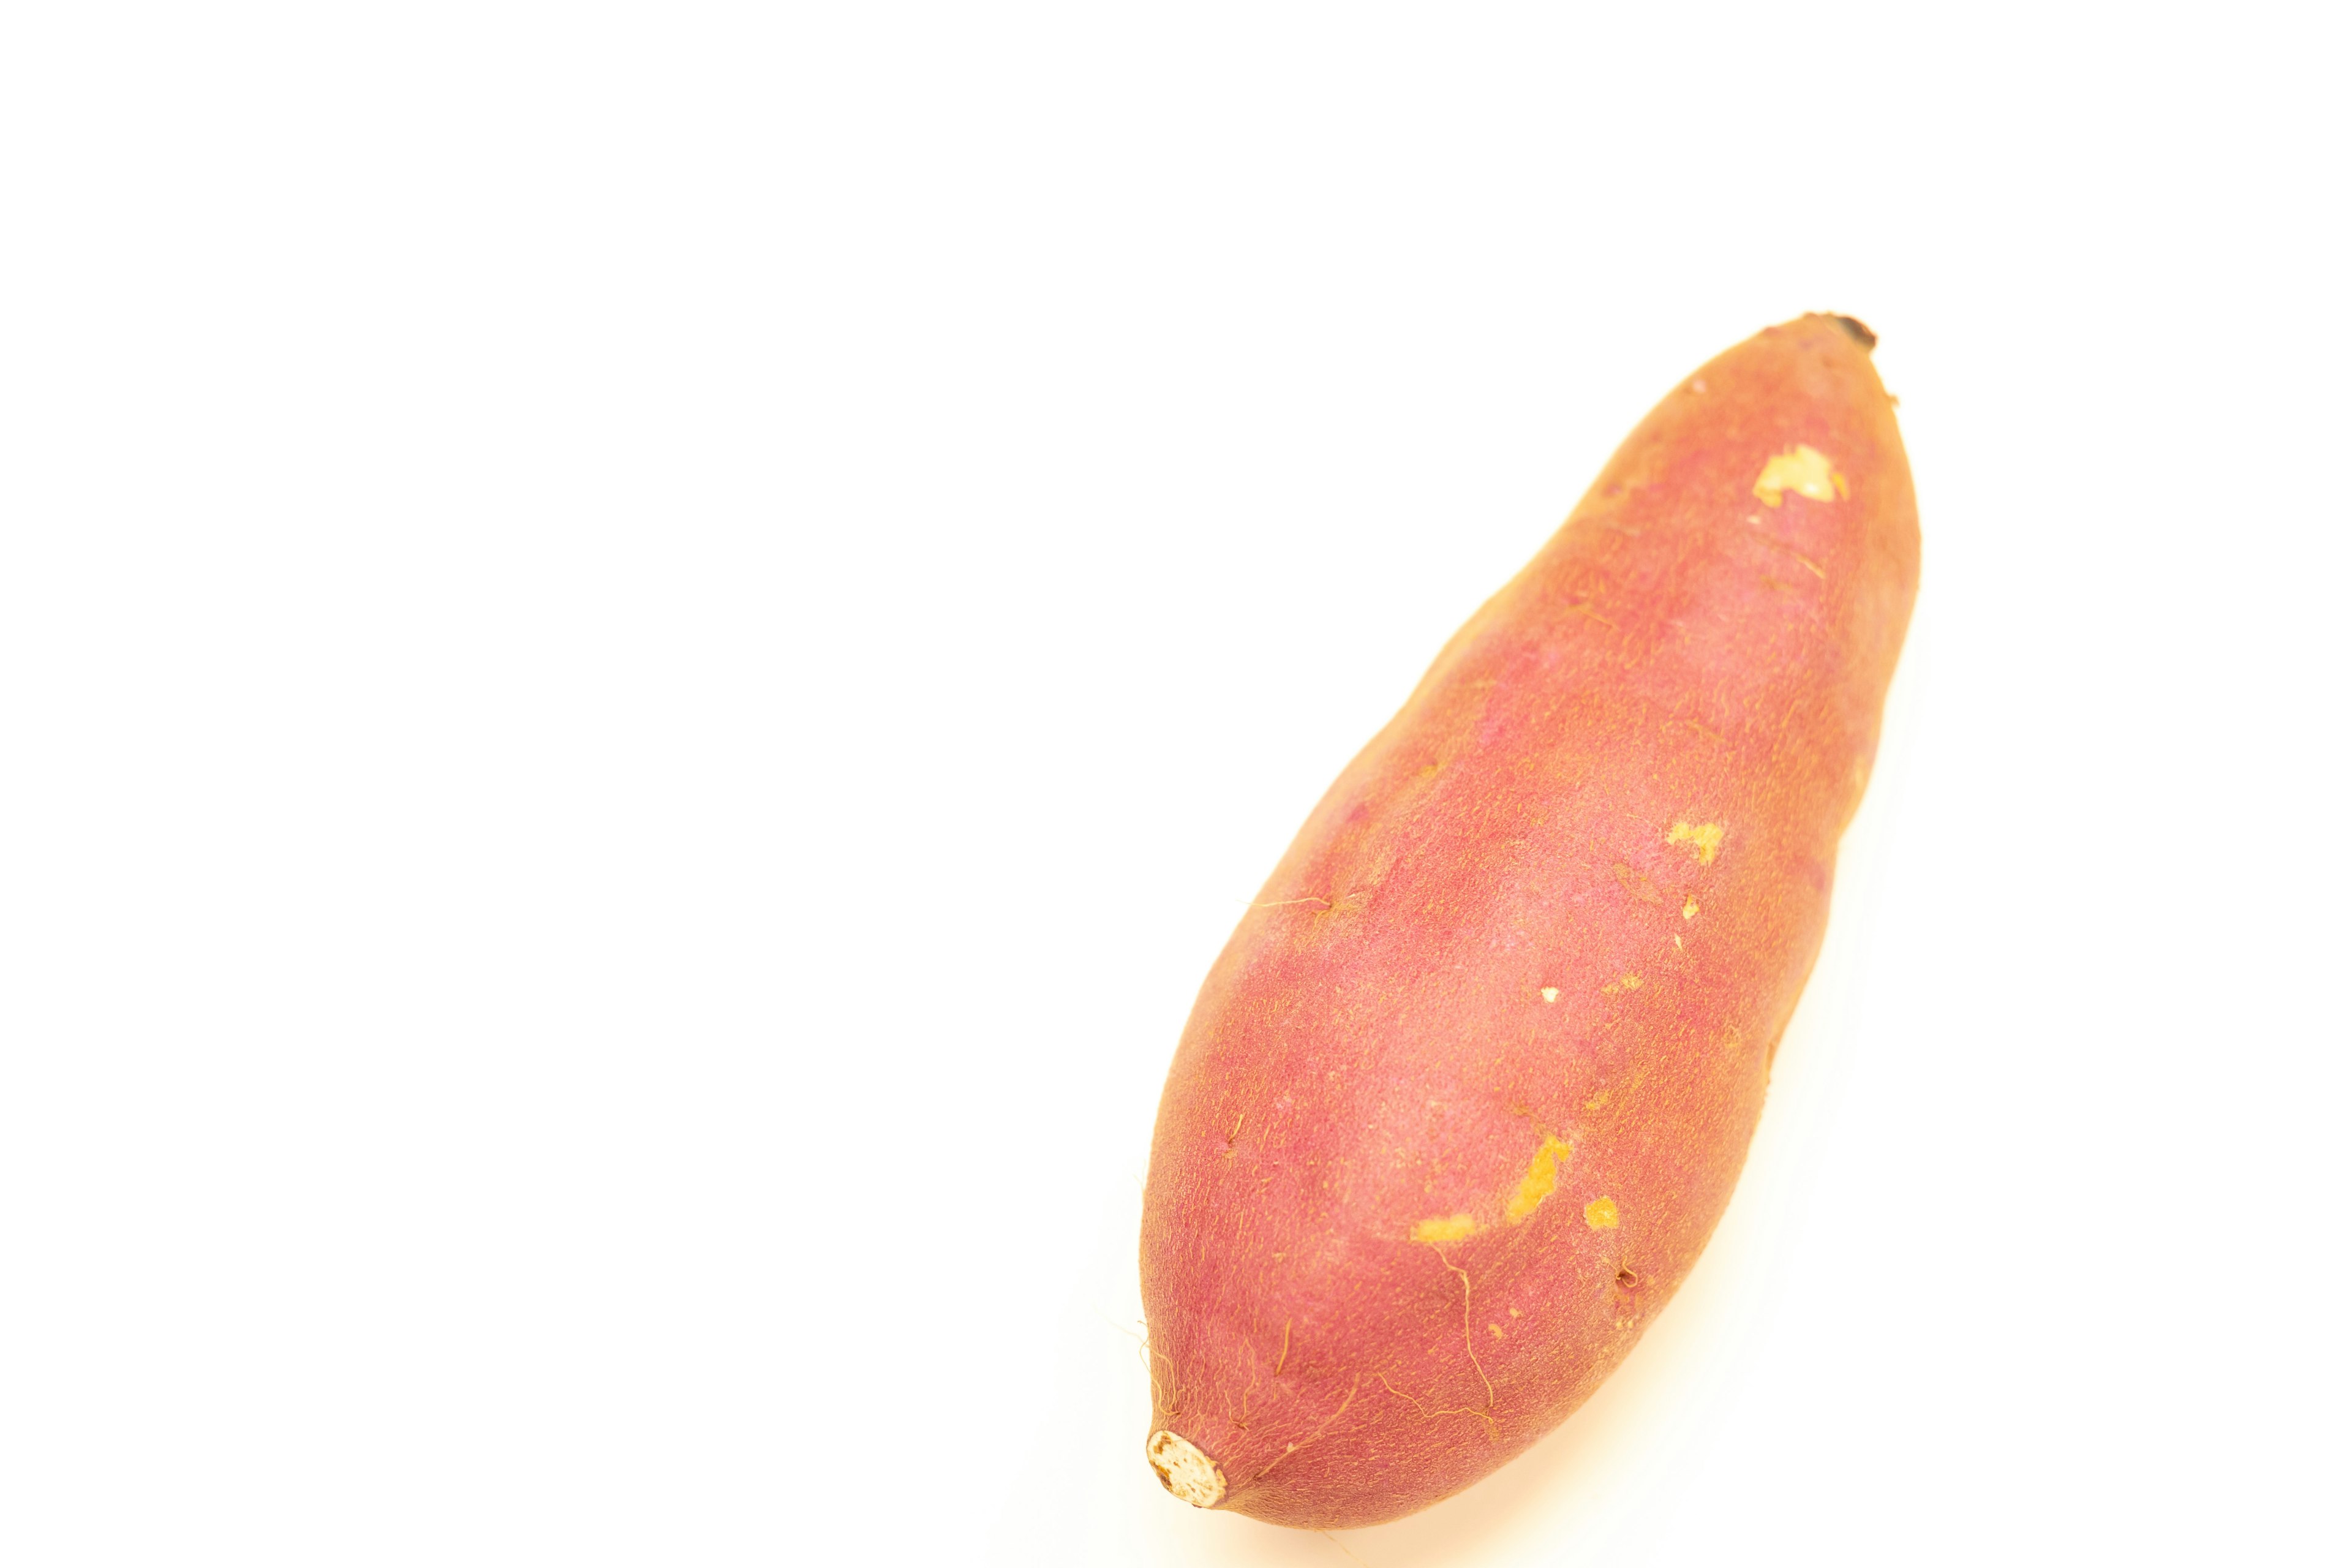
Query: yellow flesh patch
[[1541, 1180], [1805, 471], [1445, 1228], [1600, 1214], [1543, 1175], [1704, 838]]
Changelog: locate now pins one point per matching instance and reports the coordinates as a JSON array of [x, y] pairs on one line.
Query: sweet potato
[[1469, 1088]]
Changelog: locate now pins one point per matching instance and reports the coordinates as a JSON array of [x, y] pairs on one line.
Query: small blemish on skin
[[1551, 994], [1637, 884], [1622, 982], [1698, 384], [1704, 840], [1543, 1175], [1731, 1039], [1496, 1330], [1805, 471], [1690, 908], [1515, 1311], [1678, 943], [1445, 1228], [1600, 1214]]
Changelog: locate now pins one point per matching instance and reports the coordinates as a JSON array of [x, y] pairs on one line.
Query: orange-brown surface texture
[[1467, 1092]]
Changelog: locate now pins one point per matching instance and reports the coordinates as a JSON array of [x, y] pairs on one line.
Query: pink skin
[[1373, 1053]]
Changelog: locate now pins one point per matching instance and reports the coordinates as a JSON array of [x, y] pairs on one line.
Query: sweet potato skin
[[1468, 1091]]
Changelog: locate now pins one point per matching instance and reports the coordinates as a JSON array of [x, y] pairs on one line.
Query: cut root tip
[[1185, 1470]]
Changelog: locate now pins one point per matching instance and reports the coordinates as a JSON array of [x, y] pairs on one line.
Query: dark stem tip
[[1857, 331]]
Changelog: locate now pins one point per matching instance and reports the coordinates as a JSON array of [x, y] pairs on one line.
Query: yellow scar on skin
[[1543, 1175], [1690, 909], [1600, 1214], [1704, 838], [1803, 470], [1446, 1227], [1550, 992], [1622, 982]]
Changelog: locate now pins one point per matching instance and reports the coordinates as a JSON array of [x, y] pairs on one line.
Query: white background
[[643, 651]]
